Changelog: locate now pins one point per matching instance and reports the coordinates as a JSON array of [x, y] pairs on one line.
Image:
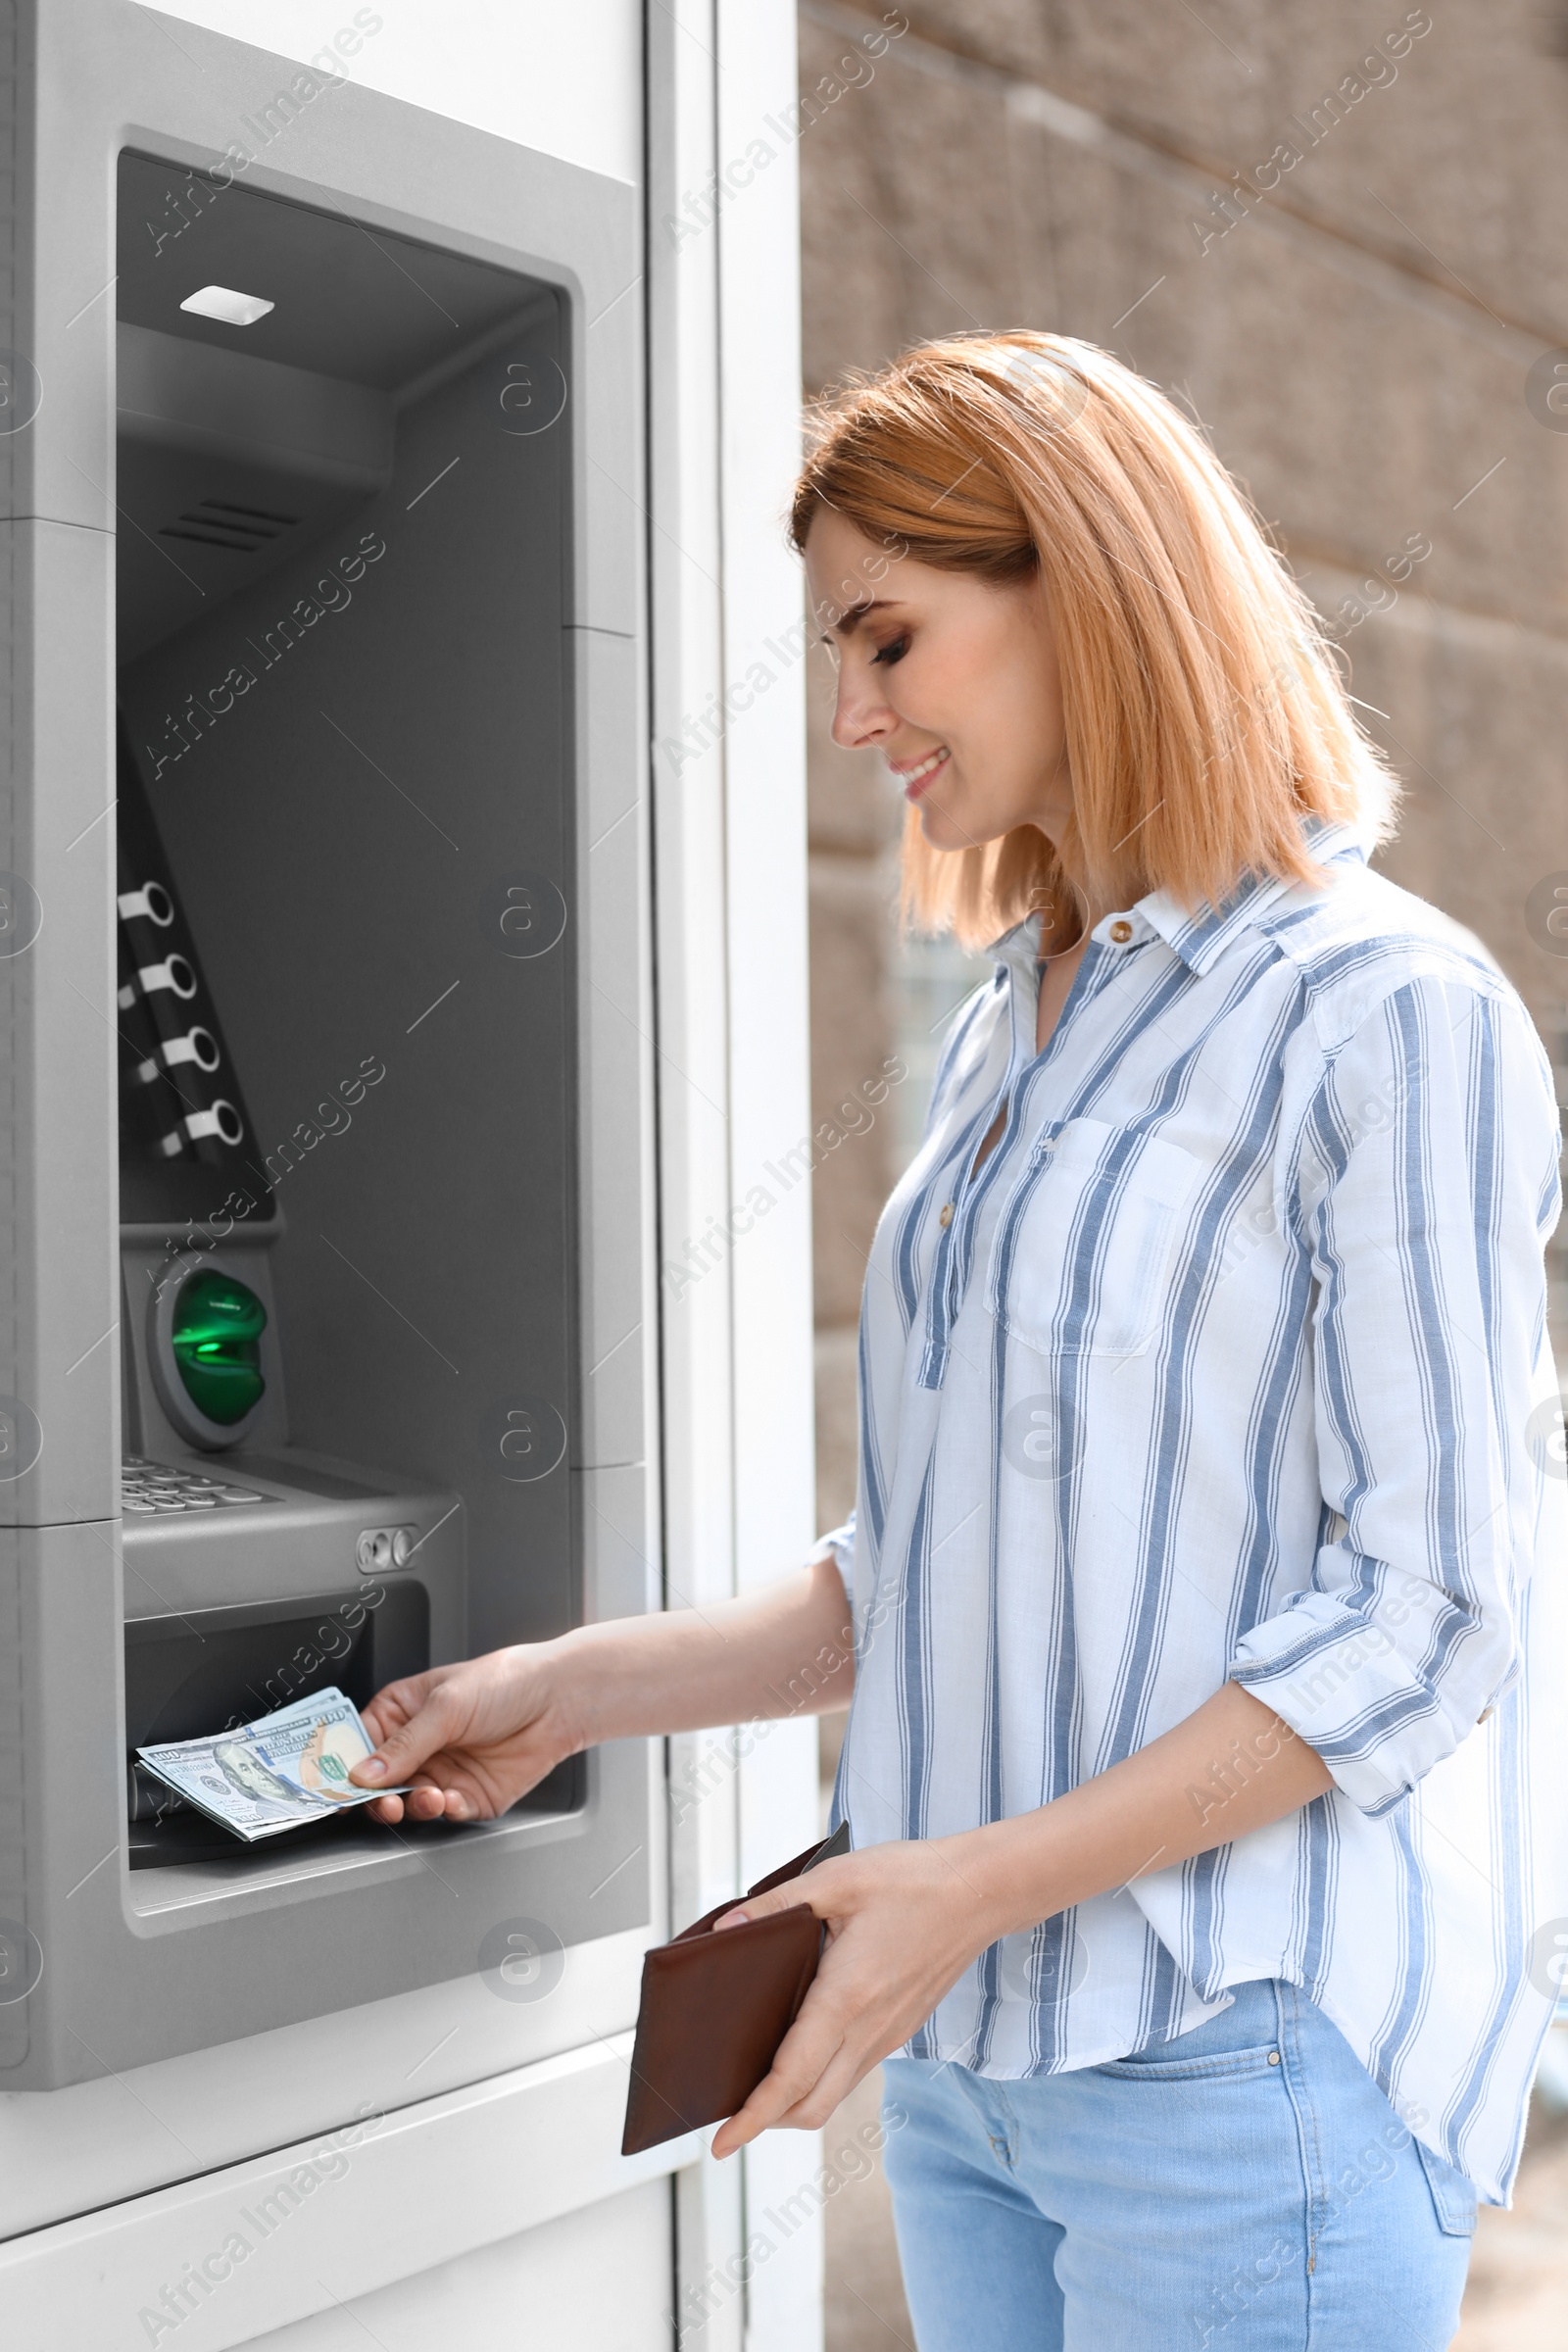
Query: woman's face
[[954, 681]]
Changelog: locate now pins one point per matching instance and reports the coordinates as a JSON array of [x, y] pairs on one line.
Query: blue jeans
[[1245, 2187]]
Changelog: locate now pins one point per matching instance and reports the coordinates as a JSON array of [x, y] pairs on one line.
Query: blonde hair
[[1203, 711]]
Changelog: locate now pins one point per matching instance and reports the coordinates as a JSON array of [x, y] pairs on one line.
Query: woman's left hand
[[904, 1922], [903, 1925]]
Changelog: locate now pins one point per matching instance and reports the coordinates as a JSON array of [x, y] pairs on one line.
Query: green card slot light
[[217, 1333]]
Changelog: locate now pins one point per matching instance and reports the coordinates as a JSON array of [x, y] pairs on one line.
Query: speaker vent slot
[[216, 523]]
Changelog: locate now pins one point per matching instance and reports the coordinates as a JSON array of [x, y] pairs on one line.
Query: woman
[[1198, 1833]]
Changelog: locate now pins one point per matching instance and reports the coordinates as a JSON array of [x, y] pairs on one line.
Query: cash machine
[[325, 1136]]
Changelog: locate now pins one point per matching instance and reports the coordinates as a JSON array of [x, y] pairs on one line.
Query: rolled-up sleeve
[[1426, 1189], [840, 1544]]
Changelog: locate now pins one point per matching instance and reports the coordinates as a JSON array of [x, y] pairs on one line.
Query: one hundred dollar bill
[[275, 1773], [315, 1746]]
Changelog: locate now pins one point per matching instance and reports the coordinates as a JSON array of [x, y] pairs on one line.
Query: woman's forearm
[[1230, 1767], [786, 1650]]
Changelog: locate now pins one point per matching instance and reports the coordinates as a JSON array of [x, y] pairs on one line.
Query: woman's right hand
[[471, 1738]]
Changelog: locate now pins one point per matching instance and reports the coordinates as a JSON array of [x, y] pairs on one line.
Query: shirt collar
[[1199, 938]]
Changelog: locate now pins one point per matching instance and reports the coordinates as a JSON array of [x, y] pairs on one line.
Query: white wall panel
[[567, 80], [730, 834], [260, 2246], [93, 2143], [758, 235], [548, 2290], [686, 565]]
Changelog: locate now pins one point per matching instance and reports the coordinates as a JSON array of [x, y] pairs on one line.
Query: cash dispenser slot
[[220, 1668]]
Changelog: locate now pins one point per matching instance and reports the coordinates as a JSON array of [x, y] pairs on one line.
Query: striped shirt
[[1232, 1363]]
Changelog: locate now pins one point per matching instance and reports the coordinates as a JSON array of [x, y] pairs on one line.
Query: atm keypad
[[150, 1487]]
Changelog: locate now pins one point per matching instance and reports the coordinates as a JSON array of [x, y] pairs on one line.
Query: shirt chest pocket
[[1086, 1241]]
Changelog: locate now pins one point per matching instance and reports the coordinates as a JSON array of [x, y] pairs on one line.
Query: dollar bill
[[275, 1773], [315, 1746]]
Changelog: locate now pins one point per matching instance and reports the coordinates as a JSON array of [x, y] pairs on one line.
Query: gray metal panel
[[292, 1549], [620, 1568], [124, 1979], [613, 860], [104, 82], [127, 1980], [59, 1279], [609, 356], [105, 78]]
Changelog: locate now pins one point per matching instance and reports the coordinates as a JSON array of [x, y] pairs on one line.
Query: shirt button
[[1121, 933], [945, 1217], [1273, 2057]]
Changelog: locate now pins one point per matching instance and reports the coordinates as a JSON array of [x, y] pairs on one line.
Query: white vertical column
[[692, 1030], [758, 222], [733, 1047]]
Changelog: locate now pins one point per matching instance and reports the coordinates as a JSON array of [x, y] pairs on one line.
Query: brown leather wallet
[[714, 2009]]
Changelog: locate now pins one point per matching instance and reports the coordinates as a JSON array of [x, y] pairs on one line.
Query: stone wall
[[1333, 232]]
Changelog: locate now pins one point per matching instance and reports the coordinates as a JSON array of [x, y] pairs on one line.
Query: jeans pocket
[[1452, 2195], [1150, 2066]]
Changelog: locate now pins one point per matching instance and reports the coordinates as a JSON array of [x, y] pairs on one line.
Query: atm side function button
[[173, 973], [152, 901], [385, 1548]]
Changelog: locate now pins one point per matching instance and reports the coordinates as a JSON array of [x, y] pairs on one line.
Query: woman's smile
[[915, 774]]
